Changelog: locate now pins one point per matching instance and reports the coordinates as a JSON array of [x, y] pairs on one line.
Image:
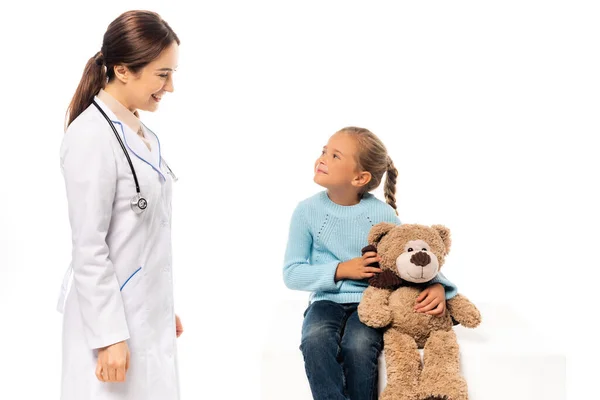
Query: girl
[[323, 256], [119, 327]]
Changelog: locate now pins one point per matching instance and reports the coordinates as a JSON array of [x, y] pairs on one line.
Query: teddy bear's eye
[[424, 249], [410, 249]]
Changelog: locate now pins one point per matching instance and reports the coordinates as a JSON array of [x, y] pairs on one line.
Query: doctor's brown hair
[[373, 158], [134, 40]]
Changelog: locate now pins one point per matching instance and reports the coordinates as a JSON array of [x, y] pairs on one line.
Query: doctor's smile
[[119, 322]]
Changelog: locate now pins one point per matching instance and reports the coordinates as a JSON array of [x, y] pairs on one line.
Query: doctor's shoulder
[[86, 134]]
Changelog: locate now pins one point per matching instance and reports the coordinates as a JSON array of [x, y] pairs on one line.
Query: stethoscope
[[138, 202]]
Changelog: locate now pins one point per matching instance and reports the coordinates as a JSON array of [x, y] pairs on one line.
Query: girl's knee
[[319, 337], [362, 343]]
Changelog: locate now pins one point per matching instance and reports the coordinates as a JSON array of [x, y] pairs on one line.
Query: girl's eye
[[335, 156], [322, 152], [163, 75]]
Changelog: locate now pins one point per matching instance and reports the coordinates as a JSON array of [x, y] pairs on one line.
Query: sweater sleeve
[[298, 273], [450, 287]]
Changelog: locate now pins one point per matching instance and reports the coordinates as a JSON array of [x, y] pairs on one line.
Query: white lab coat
[[121, 262]]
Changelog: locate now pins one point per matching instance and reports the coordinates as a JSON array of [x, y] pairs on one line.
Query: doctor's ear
[[122, 73]]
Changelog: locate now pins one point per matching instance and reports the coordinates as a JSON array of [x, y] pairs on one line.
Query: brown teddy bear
[[411, 255]]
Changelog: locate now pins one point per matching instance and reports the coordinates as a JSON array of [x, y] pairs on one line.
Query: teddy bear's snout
[[420, 259]]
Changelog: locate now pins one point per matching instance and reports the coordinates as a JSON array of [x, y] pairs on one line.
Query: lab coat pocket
[[130, 276], [132, 291]]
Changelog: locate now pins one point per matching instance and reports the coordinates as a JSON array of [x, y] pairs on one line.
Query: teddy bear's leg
[[441, 377], [403, 364]]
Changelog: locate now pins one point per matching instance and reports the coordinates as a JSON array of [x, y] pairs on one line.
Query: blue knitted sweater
[[323, 234]]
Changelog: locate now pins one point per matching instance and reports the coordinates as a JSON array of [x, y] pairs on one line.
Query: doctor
[[119, 326]]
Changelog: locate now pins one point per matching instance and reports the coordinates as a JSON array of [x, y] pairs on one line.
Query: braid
[[390, 185], [373, 158]]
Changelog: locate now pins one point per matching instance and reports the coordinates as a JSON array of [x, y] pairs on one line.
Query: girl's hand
[[432, 300], [357, 268], [178, 326]]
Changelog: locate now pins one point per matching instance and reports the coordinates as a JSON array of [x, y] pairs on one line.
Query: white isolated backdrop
[[489, 111]]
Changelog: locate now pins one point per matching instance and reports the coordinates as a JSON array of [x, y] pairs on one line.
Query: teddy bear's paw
[[398, 392], [379, 318], [429, 396], [443, 389]]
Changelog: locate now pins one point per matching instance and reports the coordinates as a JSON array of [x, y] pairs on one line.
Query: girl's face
[[146, 88], [337, 168]]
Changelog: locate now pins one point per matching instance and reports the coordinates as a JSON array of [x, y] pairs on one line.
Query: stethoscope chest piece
[[138, 203]]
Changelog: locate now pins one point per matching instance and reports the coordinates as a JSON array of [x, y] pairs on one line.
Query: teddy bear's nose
[[421, 259]]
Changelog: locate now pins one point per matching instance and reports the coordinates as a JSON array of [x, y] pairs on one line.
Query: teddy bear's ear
[[445, 235], [379, 231]]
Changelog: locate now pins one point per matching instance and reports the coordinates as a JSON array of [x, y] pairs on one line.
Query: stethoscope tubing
[[137, 185]]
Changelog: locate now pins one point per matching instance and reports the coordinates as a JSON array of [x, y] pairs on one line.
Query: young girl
[[323, 256]]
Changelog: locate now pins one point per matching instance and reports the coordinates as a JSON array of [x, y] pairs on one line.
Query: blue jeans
[[340, 352]]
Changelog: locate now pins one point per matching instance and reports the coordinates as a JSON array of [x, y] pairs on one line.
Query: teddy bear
[[411, 256]]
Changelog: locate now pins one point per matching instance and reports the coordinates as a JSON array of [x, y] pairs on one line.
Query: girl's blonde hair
[[373, 158]]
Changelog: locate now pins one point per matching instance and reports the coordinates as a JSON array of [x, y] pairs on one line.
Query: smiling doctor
[[119, 325]]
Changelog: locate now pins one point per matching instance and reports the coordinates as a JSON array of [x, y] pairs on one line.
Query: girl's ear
[[362, 179]]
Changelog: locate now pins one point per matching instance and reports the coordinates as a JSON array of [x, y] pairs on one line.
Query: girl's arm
[[449, 287], [298, 273]]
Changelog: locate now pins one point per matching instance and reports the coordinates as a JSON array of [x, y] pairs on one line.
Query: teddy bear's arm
[[463, 311], [373, 309]]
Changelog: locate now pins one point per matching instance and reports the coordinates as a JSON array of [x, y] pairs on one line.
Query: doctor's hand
[[178, 326], [113, 362]]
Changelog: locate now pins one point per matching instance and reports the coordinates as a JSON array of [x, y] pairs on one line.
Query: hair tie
[[99, 58]]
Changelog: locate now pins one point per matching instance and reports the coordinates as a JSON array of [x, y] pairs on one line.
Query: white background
[[489, 110]]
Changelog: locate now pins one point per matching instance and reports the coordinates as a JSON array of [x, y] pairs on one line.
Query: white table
[[502, 359]]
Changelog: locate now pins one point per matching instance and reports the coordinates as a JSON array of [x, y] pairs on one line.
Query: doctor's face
[[147, 87]]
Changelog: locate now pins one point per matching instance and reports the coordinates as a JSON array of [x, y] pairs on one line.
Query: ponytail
[[389, 189], [93, 79]]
